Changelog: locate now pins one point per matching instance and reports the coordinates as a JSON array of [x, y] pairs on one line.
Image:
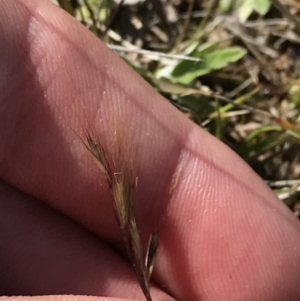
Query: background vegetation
[[232, 66]]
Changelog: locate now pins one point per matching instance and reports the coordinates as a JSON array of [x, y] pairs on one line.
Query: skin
[[223, 234]]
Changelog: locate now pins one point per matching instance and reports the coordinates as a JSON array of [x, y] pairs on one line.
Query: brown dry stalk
[[122, 182]]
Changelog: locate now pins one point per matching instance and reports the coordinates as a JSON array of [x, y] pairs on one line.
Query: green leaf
[[263, 129], [261, 6], [244, 10], [225, 5], [185, 72], [253, 148], [222, 57]]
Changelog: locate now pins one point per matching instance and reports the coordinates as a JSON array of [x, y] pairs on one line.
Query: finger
[[226, 236], [45, 104], [44, 252], [209, 184], [60, 298]]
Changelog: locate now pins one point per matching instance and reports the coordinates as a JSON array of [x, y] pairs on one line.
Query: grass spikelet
[[122, 181]]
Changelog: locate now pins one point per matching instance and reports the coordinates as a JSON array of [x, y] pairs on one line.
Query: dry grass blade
[[122, 181]]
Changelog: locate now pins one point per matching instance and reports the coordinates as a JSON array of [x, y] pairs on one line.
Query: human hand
[[223, 234]]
